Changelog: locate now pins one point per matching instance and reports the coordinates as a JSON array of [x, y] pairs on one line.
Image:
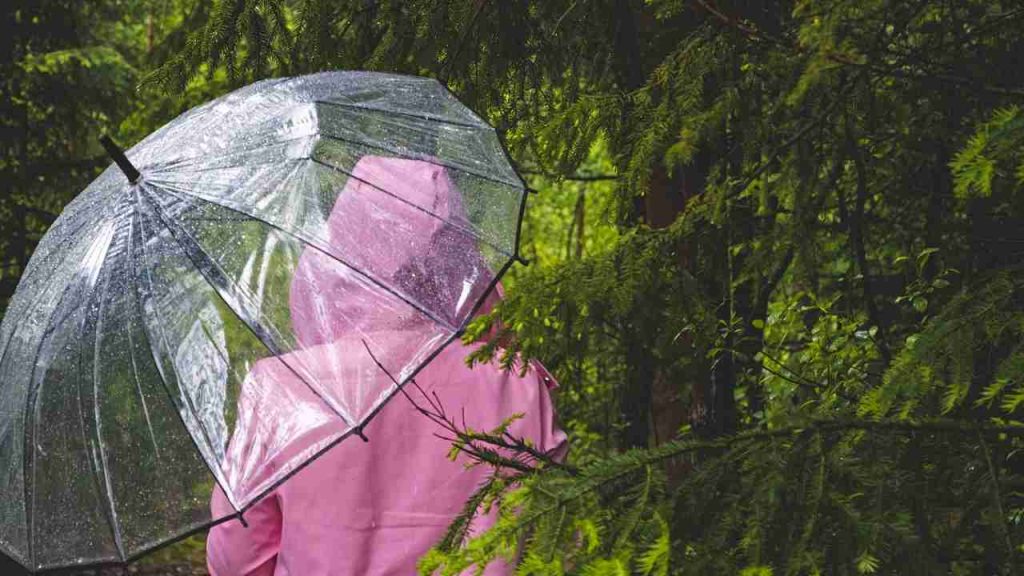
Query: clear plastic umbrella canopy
[[301, 229]]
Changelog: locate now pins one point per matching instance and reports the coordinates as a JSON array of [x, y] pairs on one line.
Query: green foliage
[[545, 511], [966, 357], [820, 498], [995, 144], [773, 243]]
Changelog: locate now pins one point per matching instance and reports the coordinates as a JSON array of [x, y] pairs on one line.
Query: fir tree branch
[[446, 69], [571, 177], [625, 464], [751, 32], [776, 152], [480, 446]]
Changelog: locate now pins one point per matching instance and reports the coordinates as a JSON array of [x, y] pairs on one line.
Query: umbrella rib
[[66, 254], [220, 352], [189, 170], [115, 527], [176, 186], [256, 327], [308, 242], [420, 157], [29, 407], [112, 517], [138, 389], [427, 117], [518, 186], [186, 161], [32, 397], [214, 470], [197, 119]]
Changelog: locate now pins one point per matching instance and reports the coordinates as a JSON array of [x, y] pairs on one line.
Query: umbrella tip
[[117, 155]]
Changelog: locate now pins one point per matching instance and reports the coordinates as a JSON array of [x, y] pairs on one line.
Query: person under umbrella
[[200, 284], [370, 509]]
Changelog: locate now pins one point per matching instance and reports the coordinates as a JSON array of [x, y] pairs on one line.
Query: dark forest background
[[775, 254]]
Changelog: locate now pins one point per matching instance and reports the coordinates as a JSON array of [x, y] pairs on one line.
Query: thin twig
[[446, 68], [997, 496], [481, 446], [778, 150], [804, 382], [571, 177]]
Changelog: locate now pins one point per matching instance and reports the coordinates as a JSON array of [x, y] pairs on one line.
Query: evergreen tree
[[795, 347]]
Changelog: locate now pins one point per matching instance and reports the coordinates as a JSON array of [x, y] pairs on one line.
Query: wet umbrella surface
[[155, 297]]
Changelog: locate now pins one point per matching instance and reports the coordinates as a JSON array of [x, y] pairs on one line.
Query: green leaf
[[920, 303], [867, 563]]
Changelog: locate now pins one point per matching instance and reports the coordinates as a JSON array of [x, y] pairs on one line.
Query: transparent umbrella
[[300, 227]]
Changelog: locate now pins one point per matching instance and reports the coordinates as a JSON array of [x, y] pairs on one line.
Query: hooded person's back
[[369, 508]]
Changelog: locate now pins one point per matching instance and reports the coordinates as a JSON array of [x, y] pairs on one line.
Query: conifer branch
[[481, 446], [446, 69], [755, 34], [571, 177]]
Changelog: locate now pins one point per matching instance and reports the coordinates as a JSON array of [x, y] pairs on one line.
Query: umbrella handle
[[117, 155]]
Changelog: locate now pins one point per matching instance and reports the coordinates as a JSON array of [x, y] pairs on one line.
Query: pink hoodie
[[369, 508]]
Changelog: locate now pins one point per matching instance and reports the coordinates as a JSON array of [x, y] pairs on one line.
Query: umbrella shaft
[[117, 155]]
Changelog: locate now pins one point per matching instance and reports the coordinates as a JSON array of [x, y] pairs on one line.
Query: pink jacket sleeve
[[236, 550], [552, 439]]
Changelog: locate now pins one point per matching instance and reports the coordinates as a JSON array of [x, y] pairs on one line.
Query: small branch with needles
[[498, 448]]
